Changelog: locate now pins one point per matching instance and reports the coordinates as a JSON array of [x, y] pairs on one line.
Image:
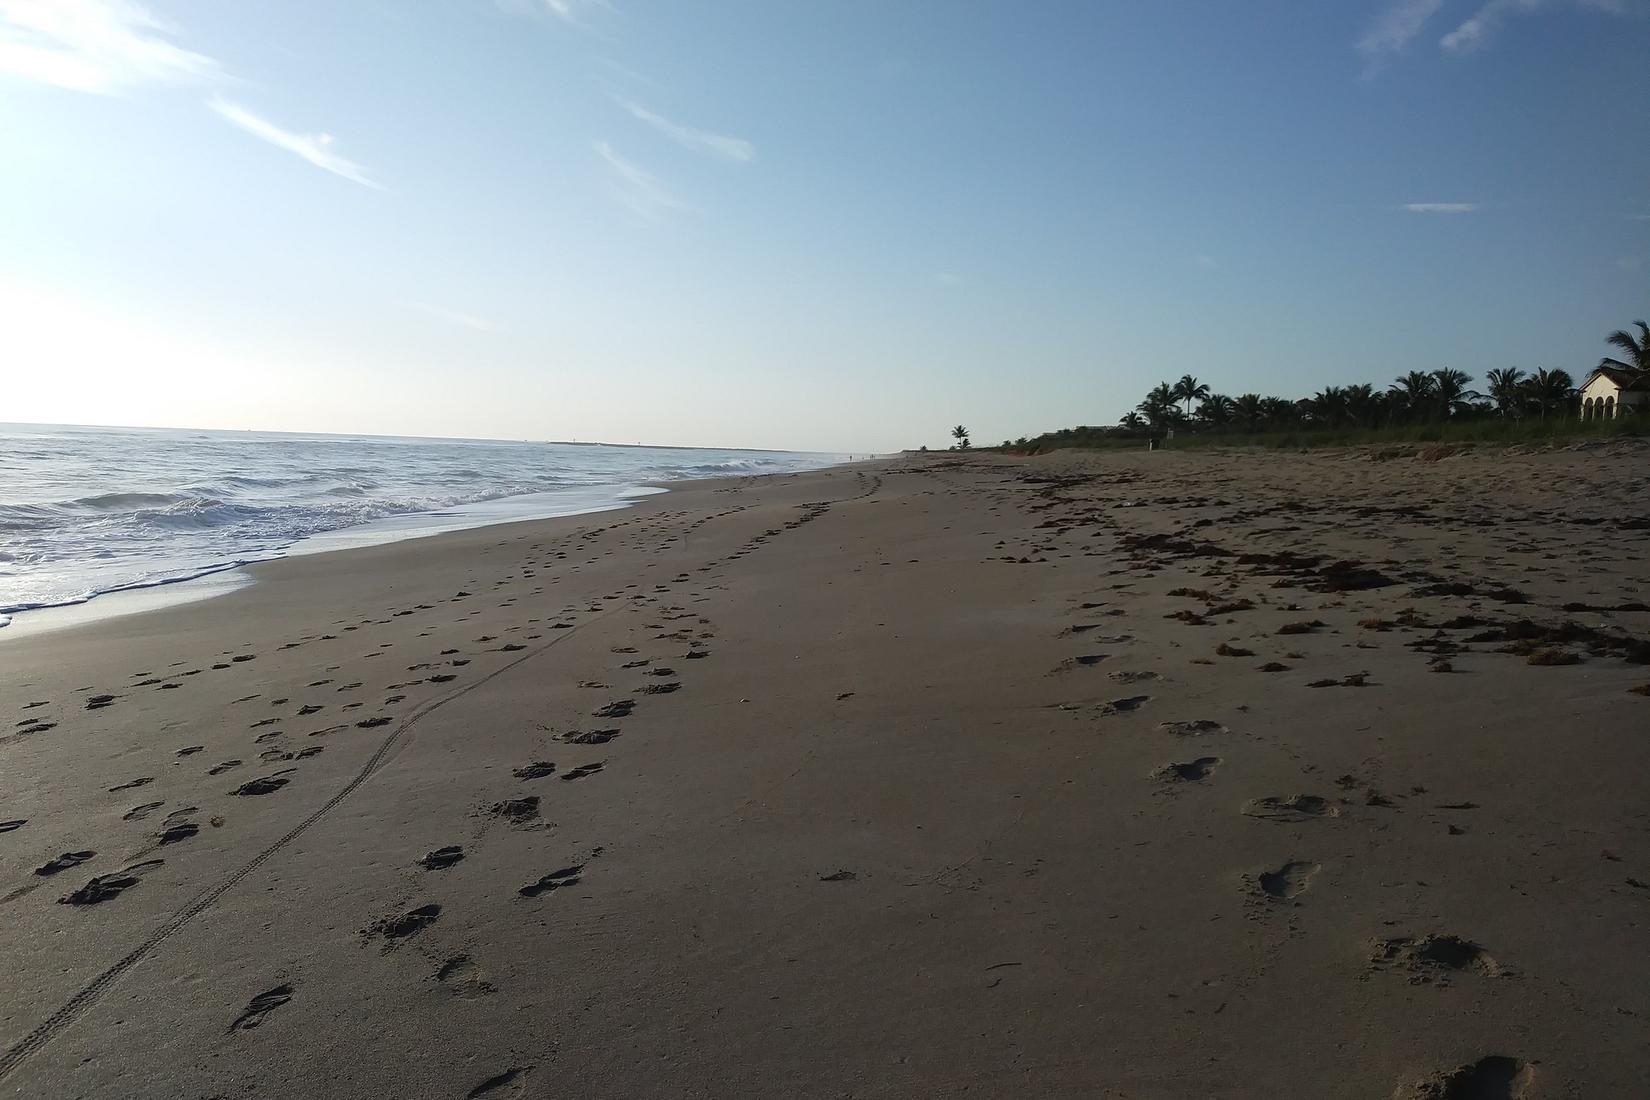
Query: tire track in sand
[[90, 993]]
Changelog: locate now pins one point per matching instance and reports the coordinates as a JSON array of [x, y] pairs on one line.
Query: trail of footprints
[[1295, 636], [680, 638]]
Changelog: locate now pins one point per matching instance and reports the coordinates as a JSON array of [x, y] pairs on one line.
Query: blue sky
[[840, 226]]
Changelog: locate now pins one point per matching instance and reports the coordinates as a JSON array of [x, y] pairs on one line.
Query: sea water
[[90, 511]]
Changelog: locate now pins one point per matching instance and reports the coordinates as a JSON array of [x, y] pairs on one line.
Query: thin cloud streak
[[570, 12], [102, 47], [643, 193], [1395, 28], [701, 141], [315, 148], [1475, 33], [1439, 207]]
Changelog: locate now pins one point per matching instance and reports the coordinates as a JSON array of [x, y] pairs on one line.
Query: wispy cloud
[[702, 141], [452, 316], [1394, 29], [1475, 32], [626, 72], [642, 192], [315, 148], [100, 46], [572, 12], [1204, 262], [1440, 207]]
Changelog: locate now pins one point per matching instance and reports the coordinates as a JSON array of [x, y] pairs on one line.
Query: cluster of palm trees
[[1416, 397], [1419, 396]]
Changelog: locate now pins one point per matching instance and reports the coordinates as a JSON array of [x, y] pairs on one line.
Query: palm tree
[[1550, 389], [1279, 410], [1363, 404], [1159, 407], [1132, 421], [1329, 406], [1414, 391], [1636, 349], [1215, 409], [960, 434], [1506, 389], [1450, 391], [1247, 410], [1189, 389]]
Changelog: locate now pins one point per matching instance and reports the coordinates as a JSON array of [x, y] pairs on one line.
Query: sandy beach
[[1202, 774]]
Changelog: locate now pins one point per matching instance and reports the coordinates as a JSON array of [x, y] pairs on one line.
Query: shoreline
[[1150, 775], [216, 580]]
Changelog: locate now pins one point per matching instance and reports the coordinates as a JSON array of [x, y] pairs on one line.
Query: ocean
[[89, 511]]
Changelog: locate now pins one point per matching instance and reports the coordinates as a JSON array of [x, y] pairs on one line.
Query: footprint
[[63, 863], [461, 974], [179, 831], [661, 689], [555, 880], [372, 723], [1192, 771], [138, 813], [145, 781], [1433, 955], [538, 769], [592, 737], [265, 784], [260, 1006], [1088, 660], [620, 709], [407, 924], [1297, 807], [1198, 728], [1126, 704], [8, 826], [518, 809], [512, 1078], [582, 770], [190, 750], [98, 702], [103, 888], [1496, 1077], [1289, 881], [442, 858], [225, 766]]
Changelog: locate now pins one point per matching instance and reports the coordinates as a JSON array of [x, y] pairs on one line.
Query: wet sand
[[1136, 775]]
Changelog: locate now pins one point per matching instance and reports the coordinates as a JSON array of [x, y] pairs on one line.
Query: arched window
[[1609, 408], [1587, 409]]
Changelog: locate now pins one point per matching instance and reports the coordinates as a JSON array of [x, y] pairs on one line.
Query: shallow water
[[88, 511]]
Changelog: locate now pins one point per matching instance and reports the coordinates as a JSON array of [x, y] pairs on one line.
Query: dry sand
[[939, 777]]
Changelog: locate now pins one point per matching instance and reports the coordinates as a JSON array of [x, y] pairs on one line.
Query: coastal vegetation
[[1418, 406]]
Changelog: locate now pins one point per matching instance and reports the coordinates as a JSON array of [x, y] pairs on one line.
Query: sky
[[839, 226]]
